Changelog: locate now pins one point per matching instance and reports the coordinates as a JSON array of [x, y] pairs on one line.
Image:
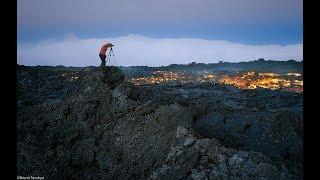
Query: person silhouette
[[102, 53]]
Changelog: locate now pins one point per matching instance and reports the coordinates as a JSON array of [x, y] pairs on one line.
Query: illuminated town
[[245, 80], [70, 76]]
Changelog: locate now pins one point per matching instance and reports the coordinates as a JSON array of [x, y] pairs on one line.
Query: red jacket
[[104, 49]]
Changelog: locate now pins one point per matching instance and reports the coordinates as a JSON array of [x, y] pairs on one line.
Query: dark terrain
[[85, 123]]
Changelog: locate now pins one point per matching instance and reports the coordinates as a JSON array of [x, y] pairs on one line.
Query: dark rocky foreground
[[101, 126]]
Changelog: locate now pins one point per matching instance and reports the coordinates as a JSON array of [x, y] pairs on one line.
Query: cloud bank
[[140, 50]]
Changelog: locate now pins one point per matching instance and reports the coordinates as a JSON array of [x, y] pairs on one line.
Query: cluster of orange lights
[[247, 80], [70, 76], [252, 80], [162, 77], [167, 76]]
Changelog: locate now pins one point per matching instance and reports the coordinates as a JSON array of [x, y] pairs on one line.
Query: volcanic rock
[[95, 124]]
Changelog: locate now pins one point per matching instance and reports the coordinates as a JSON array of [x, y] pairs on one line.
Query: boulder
[[276, 133], [205, 159], [112, 76]]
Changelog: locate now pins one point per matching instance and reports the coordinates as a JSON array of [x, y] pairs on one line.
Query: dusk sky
[[151, 32]]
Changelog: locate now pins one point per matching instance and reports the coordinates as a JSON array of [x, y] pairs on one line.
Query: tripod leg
[[114, 58], [108, 58]]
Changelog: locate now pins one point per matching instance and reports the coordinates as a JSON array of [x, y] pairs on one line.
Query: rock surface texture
[[100, 126]]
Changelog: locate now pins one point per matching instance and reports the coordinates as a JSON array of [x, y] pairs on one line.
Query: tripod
[[111, 54]]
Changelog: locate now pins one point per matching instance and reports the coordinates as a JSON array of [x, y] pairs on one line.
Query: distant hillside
[[261, 65]]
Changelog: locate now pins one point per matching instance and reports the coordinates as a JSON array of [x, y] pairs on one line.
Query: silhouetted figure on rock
[[102, 53]]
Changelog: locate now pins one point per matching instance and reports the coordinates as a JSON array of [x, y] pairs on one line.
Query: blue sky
[[248, 22]]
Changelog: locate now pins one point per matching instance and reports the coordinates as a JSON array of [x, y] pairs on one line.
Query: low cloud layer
[[140, 50]]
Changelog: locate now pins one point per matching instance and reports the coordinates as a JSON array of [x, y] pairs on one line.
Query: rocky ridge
[[108, 128]]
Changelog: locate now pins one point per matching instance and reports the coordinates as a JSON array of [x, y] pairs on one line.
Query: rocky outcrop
[[112, 76], [193, 158], [99, 132], [277, 133], [101, 126]]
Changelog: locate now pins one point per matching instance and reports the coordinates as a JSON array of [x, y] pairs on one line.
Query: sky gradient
[[250, 23]]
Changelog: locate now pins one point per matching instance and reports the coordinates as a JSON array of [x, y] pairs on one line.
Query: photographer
[[102, 53]]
